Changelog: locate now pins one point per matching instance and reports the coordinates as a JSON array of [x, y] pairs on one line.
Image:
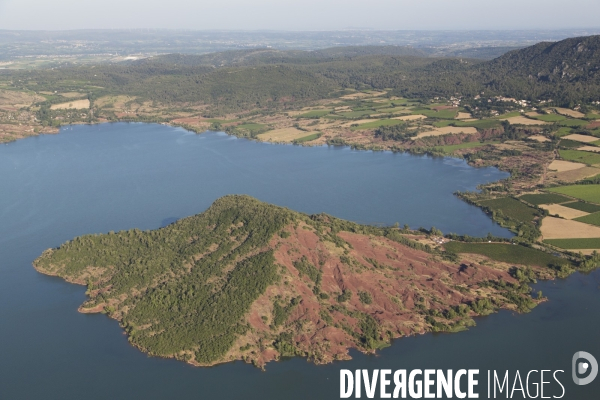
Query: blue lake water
[[118, 176]]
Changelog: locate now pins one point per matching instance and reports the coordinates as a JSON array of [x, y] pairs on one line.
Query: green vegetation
[[314, 114], [451, 148], [549, 117], [593, 219], [545, 198], [246, 130], [281, 313], [573, 123], [570, 144], [574, 244], [584, 157], [365, 297], [584, 192], [356, 114], [512, 214], [581, 206], [378, 123], [562, 132], [508, 253], [304, 267], [200, 307], [345, 296], [509, 115], [307, 138], [185, 290], [511, 208]]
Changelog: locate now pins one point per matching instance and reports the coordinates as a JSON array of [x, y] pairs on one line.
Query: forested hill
[[253, 281], [568, 70], [274, 56]]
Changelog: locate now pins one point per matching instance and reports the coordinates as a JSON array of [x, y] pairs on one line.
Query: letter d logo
[[583, 367]]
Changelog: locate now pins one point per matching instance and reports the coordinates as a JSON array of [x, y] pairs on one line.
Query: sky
[[304, 15]]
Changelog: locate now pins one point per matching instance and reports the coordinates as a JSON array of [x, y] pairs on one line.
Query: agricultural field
[[512, 208], [283, 135], [75, 104], [580, 156], [356, 114], [549, 117], [447, 130], [573, 123], [413, 117], [569, 144], [564, 212], [574, 244], [562, 131], [593, 219], [539, 138], [581, 138], [593, 149], [508, 253], [544, 198], [314, 114], [451, 148], [377, 123], [521, 120], [253, 129], [569, 113], [558, 228], [479, 124], [580, 205], [441, 114], [589, 193], [307, 138], [562, 166]]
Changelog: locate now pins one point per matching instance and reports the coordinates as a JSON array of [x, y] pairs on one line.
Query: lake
[[91, 179]]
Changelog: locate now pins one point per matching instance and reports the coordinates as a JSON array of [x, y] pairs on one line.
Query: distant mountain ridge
[[274, 56], [568, 72]]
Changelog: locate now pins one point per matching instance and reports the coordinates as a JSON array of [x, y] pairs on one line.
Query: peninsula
[[246, 280]]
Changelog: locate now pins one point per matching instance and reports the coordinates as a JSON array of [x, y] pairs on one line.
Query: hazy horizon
[[308, 15]]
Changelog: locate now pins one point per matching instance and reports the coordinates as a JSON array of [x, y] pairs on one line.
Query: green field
[[562, 132], [573, 244], [308, 138], [356, 114], [252, 127], [468, 145], [545, 198], [549, 117], [573, 123], [511, 208], [508, 115], [377, 124], [581, 206], [392, 110], [314, 114], [593, 219], [570, 144], [583, 192], [512, 254], [585, 157]]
